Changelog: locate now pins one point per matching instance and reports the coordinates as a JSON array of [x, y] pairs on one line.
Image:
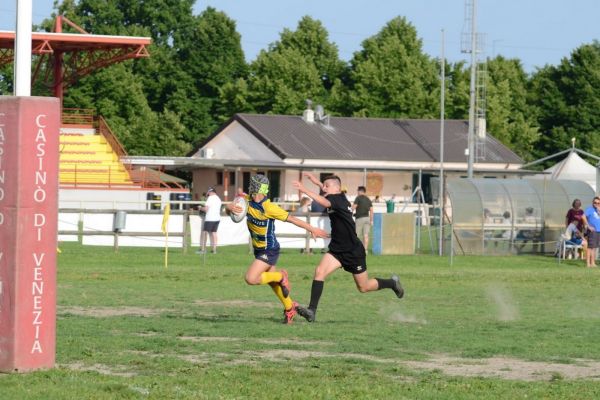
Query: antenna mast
[[472, 43]]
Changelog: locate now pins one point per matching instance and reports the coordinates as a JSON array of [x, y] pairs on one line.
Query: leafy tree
[[567, 100], [311, 39], [281, 81], [116, 93], [509, 117], [392, 77], [6, 80], [157, 18], [233, 98], [456, 97], [180, 82], [209, 51], [302, 65]]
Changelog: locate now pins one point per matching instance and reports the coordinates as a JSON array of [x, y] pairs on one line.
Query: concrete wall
[[100, 199], [229, 233]]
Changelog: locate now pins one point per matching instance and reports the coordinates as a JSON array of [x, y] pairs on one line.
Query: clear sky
[[538, 32]]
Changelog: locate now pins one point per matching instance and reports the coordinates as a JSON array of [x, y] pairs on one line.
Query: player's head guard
[[259, 184]]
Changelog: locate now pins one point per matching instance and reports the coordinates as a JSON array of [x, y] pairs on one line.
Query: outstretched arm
[[315, 196], [313, 179], [314, 231]]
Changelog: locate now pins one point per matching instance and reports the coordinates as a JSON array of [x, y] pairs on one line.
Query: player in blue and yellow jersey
[[261, 218]]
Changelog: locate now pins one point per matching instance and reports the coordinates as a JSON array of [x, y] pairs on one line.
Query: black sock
[[315, 294], [385, 283]]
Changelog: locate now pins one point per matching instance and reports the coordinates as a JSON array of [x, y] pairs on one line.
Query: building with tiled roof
[[386, 155]]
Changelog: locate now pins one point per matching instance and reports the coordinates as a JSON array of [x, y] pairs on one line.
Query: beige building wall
[[205, 177], [384, 184]]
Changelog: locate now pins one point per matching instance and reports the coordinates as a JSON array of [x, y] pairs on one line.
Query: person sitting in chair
[[573, 237]]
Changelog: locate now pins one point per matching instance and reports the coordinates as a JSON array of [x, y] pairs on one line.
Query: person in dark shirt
[[363, 214], [576, 214], [345, 248]]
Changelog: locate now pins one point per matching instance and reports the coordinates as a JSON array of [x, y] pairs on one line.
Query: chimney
[[308, 115]]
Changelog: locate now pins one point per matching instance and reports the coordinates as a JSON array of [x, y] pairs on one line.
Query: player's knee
[[320, 274], [252, 280], [362, 288]]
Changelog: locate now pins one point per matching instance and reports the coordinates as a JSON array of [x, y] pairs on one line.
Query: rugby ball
[[240, 202]]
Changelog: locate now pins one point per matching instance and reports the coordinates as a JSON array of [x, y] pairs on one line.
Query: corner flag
[[165, 221]]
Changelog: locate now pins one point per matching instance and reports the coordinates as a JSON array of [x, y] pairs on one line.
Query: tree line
[[197, 78]]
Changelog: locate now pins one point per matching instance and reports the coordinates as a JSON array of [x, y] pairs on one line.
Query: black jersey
[[343, 229]]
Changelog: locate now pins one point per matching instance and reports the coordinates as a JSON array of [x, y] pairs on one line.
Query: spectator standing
[[575, 214], [363, 214], [212, 217], [592, 219]]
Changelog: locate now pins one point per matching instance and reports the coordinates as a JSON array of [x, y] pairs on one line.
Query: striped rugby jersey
[[261, 223]]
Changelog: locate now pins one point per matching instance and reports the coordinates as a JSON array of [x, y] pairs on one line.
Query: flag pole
[[167, 249], [165, 229]]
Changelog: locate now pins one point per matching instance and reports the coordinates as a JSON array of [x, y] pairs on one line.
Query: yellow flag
[[165, 221]]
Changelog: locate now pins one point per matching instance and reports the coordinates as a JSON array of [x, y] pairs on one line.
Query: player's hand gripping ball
[[239, 204]]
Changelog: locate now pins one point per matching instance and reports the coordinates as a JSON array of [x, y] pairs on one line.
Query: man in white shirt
[[212, 217]]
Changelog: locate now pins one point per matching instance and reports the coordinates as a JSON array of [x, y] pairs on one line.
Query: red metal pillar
[[58, 64], [29, 129]]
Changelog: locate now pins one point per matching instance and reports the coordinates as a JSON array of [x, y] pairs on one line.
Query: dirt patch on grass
[[289, 342], [287, 354], [102, 312], [209, 339], [146, 334], [495, 367], [509, 368], [117, 370]]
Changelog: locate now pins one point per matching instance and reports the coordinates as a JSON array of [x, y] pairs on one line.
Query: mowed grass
[[130, 329]]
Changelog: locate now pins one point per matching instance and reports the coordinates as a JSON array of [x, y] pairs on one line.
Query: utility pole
[[471, 131], [442, 120]]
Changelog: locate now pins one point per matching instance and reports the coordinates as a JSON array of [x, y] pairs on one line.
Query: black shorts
[[354, 261], [210, 226]]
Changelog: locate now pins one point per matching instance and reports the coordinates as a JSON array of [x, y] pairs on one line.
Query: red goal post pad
[[29, 144]]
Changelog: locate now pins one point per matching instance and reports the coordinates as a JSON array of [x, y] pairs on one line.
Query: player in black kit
[[345, 249]]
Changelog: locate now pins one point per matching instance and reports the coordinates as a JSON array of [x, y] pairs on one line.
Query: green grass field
[[484, 328]]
